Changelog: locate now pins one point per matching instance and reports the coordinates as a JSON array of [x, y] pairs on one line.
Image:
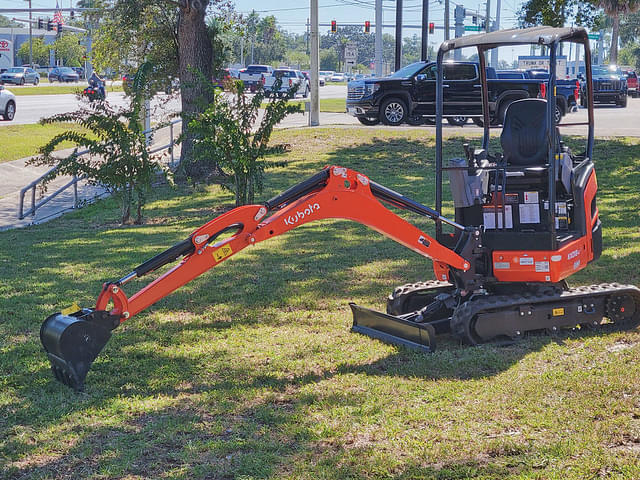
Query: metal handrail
[[74, 181]]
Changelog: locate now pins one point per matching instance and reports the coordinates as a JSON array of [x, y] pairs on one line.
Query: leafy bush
[[231, 142], [118, 157]]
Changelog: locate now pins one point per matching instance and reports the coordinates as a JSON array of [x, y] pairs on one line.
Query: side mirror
[[421, 78], [1, 87]]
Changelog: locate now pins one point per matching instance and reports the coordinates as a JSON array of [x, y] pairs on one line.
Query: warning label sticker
[[222, 253], [542, 266]]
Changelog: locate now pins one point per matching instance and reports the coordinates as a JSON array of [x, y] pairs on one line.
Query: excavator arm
[[73, 339]]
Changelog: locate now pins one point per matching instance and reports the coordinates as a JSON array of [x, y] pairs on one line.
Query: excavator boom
[[335, 192]]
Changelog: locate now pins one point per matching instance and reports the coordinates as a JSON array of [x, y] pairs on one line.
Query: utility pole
[[487, 19], [446, 19], [494, 52], [378, 41], [398, 35], [314, 118], [30, 37], [425, 31], [459, 15]]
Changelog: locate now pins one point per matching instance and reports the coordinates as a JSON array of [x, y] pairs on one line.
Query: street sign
[[594, 36], [350, 54], [472, 28]]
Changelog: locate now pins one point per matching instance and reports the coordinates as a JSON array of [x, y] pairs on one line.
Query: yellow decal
[[557, 312], [72, 309], [222, 253]]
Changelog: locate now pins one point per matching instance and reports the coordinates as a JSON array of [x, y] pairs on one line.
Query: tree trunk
[[613, 53], [195, 51]]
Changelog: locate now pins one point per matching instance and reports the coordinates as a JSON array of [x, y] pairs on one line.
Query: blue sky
[[292, 16]]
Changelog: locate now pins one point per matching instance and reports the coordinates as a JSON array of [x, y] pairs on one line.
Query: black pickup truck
[[609, 86], [408, 95]]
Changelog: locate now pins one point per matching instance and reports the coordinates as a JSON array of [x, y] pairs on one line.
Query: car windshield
[[603, 70], [284, 73], [408, 71], [67, 70], [256, 69], [15, 70]]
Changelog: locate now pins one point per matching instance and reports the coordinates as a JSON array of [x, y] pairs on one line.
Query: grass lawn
[[335, 105], [20, 141], [250, 371], [56, 89]]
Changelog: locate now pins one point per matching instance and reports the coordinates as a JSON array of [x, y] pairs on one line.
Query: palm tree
[[615, 8]]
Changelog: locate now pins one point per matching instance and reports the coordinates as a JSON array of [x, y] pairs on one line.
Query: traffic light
[[59, 30], [334, 26], [73, 14], [49, 25], [474, 20], [40, 24], [367, 26], [432, 27]]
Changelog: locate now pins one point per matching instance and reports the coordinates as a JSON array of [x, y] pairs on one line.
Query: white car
[[325, 74], [7, 104], [338, 77], [289, 79]]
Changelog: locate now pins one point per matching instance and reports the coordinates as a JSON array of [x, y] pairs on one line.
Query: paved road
[[610, 120], [30, 108]]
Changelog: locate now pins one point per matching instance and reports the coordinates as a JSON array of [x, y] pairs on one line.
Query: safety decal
[[558, 312], [526, 261], [72, 309], [222, 253]]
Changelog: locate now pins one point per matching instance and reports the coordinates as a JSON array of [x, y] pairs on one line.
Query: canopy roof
[[518, 36]]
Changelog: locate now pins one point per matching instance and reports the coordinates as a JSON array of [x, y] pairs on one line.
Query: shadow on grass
[[248, 420]]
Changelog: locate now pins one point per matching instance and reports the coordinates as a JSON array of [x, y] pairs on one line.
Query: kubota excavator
[[525, 220]]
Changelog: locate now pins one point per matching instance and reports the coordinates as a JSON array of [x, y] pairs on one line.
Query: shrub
[[231, 143]]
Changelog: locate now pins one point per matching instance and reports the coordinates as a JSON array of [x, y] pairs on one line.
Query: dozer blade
[[392, 329], [73, 342]]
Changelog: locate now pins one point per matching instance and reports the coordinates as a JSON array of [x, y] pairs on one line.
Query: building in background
[[12, 38]]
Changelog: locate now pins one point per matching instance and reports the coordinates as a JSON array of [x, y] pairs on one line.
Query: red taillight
[[263, 80], [543, 90], [290, 83], [576, 92]]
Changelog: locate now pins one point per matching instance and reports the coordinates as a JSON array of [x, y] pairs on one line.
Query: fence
[[35, 205]]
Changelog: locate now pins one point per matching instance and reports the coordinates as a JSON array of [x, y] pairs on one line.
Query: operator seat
[[525, 132]]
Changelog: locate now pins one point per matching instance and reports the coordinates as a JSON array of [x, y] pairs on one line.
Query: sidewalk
[[16, 175]]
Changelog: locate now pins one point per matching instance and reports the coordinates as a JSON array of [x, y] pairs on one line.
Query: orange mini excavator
[[525, 220]]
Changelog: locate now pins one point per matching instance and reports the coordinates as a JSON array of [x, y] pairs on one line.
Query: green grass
[[56, 89], [250, 371], [20, 141], [335, 105]]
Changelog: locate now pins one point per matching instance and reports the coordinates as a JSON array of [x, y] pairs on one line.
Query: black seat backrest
[[525, 131]]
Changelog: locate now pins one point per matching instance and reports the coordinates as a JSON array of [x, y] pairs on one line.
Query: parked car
[[254, 74], [63, 74], [20, 76], [79, 71], [325, 75], [609, 86], [338, 77], [289, 79], [7, 104], [632, 82], [408, 95]]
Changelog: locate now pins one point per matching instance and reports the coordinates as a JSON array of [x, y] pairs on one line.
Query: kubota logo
[[300, 214], [4, 44]]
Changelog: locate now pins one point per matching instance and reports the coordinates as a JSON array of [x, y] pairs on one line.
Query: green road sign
[[472, 28], [594, 36]]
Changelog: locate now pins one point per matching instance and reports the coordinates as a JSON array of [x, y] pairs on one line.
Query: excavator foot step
[[391, 329], [73, 342]]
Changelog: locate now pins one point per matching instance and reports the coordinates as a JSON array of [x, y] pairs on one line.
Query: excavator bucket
[[73, 342], [391, 329]]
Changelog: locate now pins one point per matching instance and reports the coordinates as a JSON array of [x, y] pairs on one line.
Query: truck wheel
[[558, 114], [623, 102], [368, 121], [479, 121], [394, 111], [458, 120]]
